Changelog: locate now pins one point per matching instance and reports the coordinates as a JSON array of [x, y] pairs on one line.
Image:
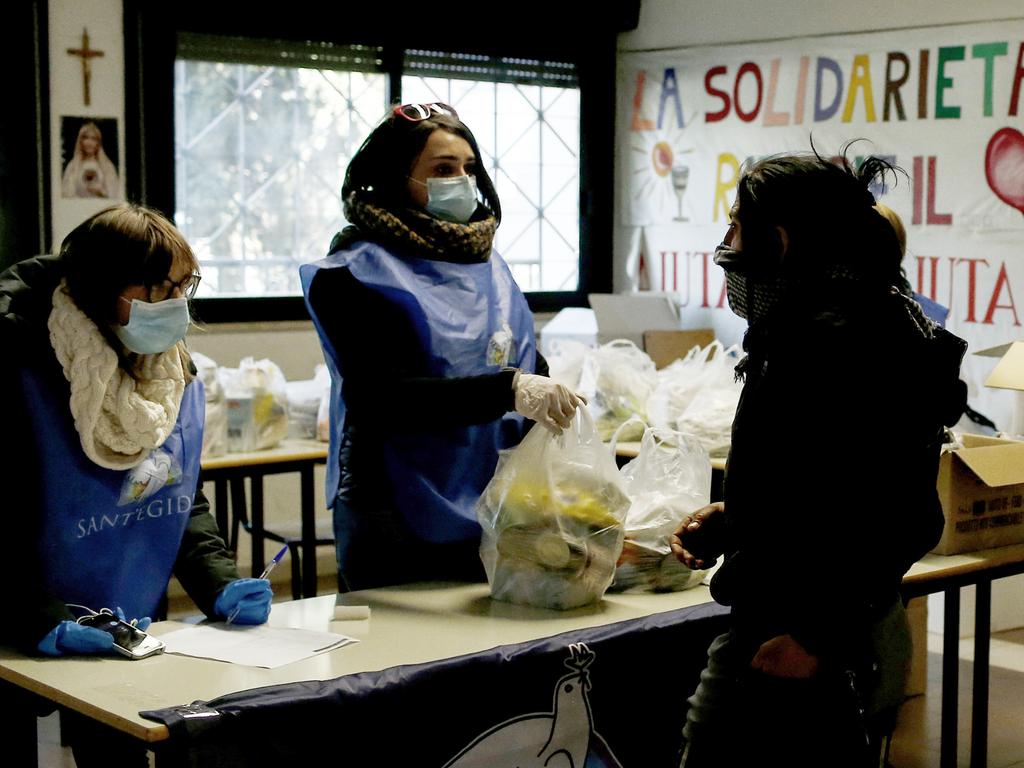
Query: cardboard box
[[628, 315], [981, 487], [1009, 374], [665, 347]]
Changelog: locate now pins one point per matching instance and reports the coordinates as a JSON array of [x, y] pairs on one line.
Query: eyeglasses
[[414, 113], [187, 286]]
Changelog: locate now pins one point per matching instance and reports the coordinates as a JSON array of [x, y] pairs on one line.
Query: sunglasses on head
[[414, 113]]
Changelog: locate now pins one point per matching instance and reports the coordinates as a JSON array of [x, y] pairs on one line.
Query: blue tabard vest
[[470, 319], [110, 537]]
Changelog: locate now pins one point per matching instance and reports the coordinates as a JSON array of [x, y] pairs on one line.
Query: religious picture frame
[[90, 158]]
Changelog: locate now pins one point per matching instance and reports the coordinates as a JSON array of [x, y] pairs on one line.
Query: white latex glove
[[545, 401]]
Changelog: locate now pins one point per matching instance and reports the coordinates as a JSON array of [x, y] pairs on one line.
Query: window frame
[[151, 50]]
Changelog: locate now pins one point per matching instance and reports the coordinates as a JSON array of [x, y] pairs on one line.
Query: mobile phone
[[129, 640]]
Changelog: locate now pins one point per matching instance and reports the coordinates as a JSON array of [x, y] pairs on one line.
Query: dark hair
[[125, 244], [827, 210], [379, 171]]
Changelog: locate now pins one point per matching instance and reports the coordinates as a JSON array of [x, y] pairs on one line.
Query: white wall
[[681, 23], [685, 23], [103, 20]]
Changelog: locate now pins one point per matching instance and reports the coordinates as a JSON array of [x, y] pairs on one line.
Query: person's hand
[[245, 601], [71, 637], [697, 542], [544, 400], [782, 656]]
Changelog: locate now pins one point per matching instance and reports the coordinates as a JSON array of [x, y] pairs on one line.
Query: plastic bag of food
[[257, 404], [552, 519], [669, 479], [710, 413], [215, 431], [304, 399], [680, 381], [565, 362], [617, 378]]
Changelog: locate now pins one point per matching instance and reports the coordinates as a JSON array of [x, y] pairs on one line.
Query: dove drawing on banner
[[561, 738]]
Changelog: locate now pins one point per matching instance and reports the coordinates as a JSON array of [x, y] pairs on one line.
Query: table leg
[[256, 522], [979, 707], [238, 508], [950, 676], [308, 533], [220, 507]]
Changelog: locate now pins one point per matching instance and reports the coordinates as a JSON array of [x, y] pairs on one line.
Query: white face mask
[[156, 327], [452, 198]]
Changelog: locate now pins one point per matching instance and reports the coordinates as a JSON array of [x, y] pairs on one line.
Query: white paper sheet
[[259, 646]]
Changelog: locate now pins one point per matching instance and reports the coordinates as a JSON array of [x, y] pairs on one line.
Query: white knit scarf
[[119, 419]]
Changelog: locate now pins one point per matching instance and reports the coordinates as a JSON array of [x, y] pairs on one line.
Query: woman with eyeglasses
[[104, 428], [431, 348]]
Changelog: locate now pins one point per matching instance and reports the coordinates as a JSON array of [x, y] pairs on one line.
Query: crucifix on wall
[[86, 53]]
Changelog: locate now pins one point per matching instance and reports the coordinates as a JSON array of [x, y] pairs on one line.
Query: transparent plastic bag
[[710, 413], [552, 519], [215, 429], [617, 378], [680, 381], [669, 479], [565, 363], [304, 399], [257, 404]]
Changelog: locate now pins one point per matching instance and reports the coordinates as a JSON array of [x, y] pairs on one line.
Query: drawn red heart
[[1004, 166]]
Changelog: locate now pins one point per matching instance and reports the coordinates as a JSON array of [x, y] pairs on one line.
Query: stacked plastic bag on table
[[669, 479], [698, 395], [617, 378], [552, 519], [215, 432], [257, 404], [304, 401]]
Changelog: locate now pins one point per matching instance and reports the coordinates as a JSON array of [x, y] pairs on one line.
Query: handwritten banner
[[942, 103]]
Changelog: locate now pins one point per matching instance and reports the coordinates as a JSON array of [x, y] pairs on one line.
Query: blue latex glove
[[247, 600], [142, 624], [71, 637]]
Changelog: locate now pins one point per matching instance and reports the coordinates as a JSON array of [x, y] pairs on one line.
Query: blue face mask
[[452, 199], [156, 327]]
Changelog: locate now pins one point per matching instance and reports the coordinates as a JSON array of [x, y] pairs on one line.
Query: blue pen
[[266, 572]]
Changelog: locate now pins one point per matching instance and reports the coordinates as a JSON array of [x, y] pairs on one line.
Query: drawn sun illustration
[[660, 174]]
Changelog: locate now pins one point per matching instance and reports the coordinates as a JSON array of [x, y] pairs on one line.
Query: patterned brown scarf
[[426, 236]]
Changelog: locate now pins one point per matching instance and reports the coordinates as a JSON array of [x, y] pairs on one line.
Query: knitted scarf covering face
[[119, 419], [426, 236]]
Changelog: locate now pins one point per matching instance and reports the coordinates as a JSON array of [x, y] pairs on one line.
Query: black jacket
[[830, 485], [203, 565]]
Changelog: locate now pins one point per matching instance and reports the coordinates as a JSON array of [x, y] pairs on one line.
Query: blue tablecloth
[[613, 695]]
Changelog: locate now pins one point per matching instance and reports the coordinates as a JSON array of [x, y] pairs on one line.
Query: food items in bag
[[668, 480], [552, 521], [649, 570]]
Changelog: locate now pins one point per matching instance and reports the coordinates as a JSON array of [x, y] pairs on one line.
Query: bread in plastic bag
[[552, 519], [669, 479]]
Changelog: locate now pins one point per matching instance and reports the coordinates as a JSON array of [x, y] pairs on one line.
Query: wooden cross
[[86, 53]]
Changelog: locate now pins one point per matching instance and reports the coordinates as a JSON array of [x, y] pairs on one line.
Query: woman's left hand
[[782, 656]]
